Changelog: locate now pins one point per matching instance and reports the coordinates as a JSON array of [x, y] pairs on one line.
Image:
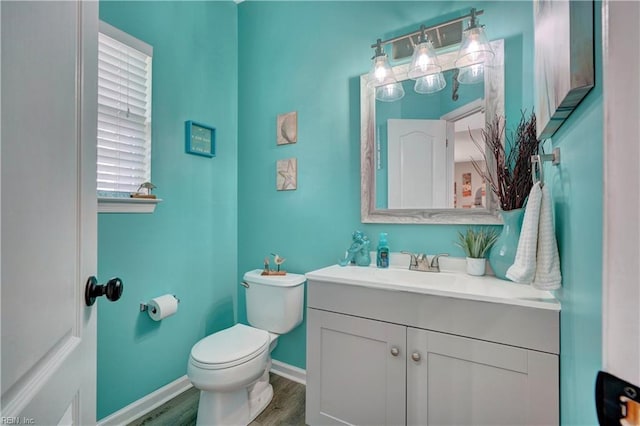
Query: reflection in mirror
[[425, 149], [416, 153]]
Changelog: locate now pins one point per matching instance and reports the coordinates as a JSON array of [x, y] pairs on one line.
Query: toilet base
[[235, 408]]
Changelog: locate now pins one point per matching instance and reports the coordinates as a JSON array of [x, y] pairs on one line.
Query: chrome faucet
[[420, 262]]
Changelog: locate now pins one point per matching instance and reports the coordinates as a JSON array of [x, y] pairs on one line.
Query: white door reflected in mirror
[[418, 165]]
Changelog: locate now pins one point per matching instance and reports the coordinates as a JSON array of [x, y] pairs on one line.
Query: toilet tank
[[274, 302]]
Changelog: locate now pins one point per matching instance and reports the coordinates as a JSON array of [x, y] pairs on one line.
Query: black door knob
[[112, 289]]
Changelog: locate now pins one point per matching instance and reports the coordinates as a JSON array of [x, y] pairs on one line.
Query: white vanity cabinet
[[377, 355], [453, 380], [358, 373]]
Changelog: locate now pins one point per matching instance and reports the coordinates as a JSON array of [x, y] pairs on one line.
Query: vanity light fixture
[[425, 68], [382, 78], [475, 51]]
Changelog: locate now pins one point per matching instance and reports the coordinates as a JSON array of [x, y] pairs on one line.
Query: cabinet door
[[453, 380], [355, 371]]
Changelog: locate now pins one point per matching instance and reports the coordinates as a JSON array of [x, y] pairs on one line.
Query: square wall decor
[[287, 128], [200, 139], [287, 174]]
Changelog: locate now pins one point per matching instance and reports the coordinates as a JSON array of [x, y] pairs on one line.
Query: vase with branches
[[507, 173]]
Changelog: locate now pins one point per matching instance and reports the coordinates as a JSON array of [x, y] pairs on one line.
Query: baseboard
[[289, 371], [147, 403]]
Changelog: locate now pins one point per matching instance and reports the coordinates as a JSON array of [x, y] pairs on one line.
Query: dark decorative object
[[510, 180]]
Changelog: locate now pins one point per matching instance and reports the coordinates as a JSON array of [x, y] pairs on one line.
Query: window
[[124, 112]]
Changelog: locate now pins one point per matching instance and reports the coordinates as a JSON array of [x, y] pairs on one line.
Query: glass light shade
[[390, 92], [430, 84], [472, 74], [424, 61], [475, 48], [381, 73]]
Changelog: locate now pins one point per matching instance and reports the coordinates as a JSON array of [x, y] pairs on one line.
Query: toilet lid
[[230, 346]]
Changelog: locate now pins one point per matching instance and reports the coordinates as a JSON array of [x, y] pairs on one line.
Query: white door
[[621, 237], [417, 164], [48, 215]]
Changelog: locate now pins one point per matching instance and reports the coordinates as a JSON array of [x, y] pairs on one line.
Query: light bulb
[[381, 72], [424, 61]]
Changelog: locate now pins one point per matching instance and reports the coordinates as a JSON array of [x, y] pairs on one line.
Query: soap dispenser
[[382, 259]]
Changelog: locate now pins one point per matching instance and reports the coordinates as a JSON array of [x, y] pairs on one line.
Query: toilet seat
[[230, 347]]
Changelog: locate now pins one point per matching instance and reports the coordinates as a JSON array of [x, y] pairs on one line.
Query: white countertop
[[446, 283]]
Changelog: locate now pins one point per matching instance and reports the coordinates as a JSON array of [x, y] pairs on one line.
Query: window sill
[[127, 205]]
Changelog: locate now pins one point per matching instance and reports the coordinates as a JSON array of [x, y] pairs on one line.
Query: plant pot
[[503, 252], [476, 267]]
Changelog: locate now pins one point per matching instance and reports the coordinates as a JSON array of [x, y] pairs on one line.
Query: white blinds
[[124, 111]]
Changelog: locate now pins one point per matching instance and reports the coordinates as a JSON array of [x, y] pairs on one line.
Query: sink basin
[[449, 284]]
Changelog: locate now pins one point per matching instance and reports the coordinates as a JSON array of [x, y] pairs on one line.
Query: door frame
[[621, 209]]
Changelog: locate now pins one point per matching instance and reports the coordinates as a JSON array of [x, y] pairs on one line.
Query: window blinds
[[124, 111]]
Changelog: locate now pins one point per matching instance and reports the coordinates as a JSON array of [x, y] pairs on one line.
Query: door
[[355, 371], [621, 234], [48, 214], [417, 164], [453, 380]]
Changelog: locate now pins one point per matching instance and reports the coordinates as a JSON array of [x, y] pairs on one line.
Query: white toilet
[[231, 367]]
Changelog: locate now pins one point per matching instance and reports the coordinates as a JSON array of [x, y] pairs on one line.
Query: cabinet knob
[[395, 351], [415, 356]]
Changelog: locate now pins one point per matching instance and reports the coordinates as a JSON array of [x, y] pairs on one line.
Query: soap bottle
[[382, 259]]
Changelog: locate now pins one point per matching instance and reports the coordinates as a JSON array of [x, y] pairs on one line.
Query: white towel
[[537, 261], [523, 269], [548, 275]]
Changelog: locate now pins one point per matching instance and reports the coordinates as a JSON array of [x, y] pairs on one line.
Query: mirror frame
[[494, 105]]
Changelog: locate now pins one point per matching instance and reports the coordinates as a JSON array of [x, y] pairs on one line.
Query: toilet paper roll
[[162, 307]]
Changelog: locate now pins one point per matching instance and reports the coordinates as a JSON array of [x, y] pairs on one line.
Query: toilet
[[231, 367]]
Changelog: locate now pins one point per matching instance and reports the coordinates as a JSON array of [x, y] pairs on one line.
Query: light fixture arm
[[378, 47], [422, 38], [472, 19]]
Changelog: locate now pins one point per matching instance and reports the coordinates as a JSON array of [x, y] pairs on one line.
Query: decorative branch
[[509, 174]]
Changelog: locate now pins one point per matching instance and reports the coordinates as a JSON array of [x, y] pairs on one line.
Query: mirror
[[415, 152]]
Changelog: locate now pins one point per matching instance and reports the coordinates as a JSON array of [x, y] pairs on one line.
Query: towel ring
[[536, 162]]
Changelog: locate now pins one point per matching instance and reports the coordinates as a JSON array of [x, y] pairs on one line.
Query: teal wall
[[577, 186], [308, 57], [188, 247]]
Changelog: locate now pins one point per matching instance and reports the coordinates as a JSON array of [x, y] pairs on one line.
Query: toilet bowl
[[231, 367]]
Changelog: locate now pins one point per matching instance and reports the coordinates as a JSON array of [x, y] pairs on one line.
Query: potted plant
[[476, 243], [508, 175]]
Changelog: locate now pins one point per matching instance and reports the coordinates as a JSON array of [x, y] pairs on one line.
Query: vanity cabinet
[[381, 357], [357, 370], [453, 380]]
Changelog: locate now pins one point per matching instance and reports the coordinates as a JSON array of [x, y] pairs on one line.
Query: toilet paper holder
[[145, 307]]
